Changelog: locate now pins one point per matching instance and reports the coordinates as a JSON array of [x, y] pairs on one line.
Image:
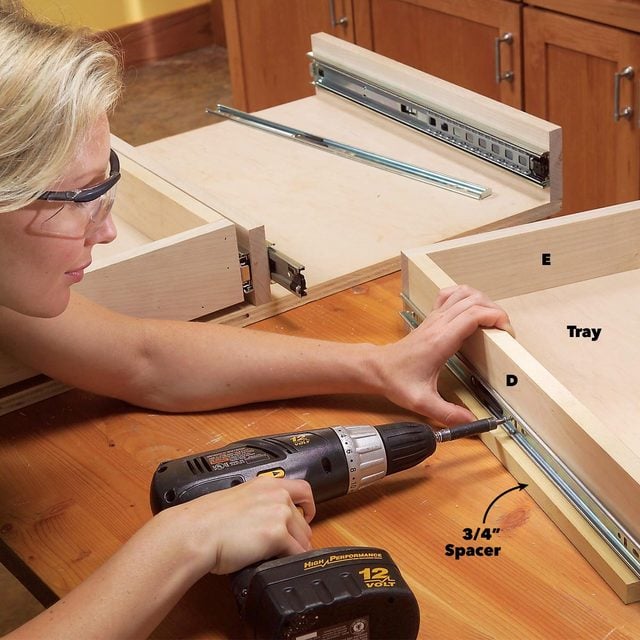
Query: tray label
[[584, 332]]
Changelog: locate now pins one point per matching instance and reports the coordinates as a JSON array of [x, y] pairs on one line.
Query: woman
[[57, 184]]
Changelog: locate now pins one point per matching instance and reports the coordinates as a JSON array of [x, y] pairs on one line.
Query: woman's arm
[[221, 532], [186, 366]]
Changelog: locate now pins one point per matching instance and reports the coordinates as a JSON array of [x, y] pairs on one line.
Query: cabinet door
[[456, 41], [570, 79], [268, 40]]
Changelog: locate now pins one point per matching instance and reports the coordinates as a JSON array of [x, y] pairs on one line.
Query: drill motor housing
[[334, 460], [342, 593]]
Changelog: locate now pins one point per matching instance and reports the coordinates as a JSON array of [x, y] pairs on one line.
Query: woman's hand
[[409, 368], [228, 530]]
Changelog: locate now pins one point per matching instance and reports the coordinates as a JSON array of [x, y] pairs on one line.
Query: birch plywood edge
[[580, 398]]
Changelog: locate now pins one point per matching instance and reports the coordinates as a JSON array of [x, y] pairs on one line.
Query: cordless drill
[[334, 460], [352, 593]]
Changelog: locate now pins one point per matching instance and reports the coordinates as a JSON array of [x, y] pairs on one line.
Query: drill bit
[[470, 429]]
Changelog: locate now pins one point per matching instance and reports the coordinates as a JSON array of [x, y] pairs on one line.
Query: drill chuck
[[373, 452], [406, 444]]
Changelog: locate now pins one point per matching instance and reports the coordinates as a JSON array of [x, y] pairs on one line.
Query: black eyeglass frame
[[90, 193]]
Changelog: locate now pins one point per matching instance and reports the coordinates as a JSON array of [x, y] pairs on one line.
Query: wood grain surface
[[75, 473], [609, 303]]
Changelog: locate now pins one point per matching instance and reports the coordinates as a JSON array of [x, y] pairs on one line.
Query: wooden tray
[[579, 395]]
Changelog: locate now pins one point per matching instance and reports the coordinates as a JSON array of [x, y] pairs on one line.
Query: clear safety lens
[[80, 219]]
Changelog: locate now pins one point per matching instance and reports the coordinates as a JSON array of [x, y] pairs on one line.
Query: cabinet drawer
[[267, 43], [475, 44], [572, 77]]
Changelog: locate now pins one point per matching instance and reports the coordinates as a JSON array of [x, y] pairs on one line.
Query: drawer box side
[[609, 468], [186, 276], [578, 247], [492, 117]]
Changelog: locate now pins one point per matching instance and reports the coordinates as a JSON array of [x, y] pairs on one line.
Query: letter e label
[[546, 259]]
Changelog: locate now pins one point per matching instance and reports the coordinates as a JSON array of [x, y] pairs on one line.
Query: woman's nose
[[105, 233]]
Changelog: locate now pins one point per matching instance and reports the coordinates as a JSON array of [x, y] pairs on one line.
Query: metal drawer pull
[[507, 75], [627, 112], [340, 21]]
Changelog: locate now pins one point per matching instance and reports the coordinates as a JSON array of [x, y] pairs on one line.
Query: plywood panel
[[602, 374], [574, 252], [345, 221]]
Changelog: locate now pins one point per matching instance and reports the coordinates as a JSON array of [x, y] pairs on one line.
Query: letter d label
[[512, 380]]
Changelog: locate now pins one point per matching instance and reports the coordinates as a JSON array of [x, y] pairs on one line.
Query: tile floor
[[170, 96], [160, 99]]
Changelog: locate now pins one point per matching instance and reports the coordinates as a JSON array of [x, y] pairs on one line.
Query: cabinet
[[563, 56], [571, 71], [474, 44], [268, 41]]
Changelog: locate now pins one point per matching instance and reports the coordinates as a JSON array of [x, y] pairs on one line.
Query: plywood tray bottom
[[541, 319]]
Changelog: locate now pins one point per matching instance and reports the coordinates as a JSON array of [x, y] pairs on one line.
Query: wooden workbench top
[[75, 473]]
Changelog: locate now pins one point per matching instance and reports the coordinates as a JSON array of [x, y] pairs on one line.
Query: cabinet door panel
[[453, 41], [268, 40], [570, 66]]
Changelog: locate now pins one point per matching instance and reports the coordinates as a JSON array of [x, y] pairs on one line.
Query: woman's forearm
[[198, 366], [126, 597], [212, 366], [221, 532], [184, 366]]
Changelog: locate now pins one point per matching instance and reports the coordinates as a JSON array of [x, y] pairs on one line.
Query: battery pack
[[341, 593]]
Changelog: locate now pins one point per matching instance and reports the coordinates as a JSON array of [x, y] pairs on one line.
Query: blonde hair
[[55, 82]]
